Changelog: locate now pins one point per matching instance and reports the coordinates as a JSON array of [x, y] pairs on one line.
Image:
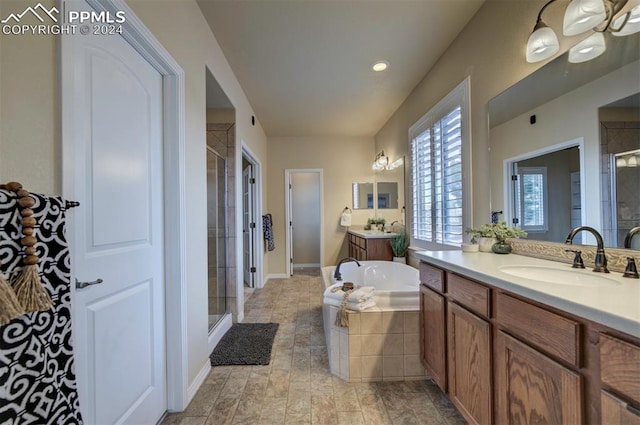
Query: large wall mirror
[[569, 133]]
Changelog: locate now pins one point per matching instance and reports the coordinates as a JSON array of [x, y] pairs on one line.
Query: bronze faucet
[[337, 275], [627, 239], [600, 260]]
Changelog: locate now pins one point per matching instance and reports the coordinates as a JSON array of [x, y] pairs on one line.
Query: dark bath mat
[[245, 344]]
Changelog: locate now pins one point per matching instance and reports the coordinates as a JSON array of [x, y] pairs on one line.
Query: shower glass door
[[216, 236]]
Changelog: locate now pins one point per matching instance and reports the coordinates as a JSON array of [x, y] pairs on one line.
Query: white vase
[[469, 247], [484, 244], [400, 259]]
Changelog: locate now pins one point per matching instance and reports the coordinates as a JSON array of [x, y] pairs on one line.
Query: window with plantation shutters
[[531, 198], [439, 151]]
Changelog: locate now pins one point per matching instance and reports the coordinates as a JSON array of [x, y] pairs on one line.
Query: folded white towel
[[360, 294], [351, 306], [345, 219]]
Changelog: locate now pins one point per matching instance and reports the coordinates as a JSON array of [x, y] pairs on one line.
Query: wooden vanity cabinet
[[369, 248], [456, 340], [620, 375], [502, 358]]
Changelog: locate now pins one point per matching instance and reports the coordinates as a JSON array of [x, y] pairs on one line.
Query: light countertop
[[372, 234], [615, 306]]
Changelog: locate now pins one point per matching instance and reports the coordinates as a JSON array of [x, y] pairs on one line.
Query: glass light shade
[[589, 48], [583, 15], [621, 162], [631, 27], [542, 44], [632, 161]]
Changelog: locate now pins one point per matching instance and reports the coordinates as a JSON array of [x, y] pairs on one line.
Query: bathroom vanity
[[508, 348], [370, 245]]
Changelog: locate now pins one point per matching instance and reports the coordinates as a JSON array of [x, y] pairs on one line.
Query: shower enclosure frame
[[212, 325]]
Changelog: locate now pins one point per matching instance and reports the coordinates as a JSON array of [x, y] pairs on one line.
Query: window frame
[[459, 96]]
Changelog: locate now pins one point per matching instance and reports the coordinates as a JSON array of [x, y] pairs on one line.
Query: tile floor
[[296, 387]]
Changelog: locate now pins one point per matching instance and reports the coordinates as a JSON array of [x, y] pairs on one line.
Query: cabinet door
[[432, 335], [469, 349], [532, 388]]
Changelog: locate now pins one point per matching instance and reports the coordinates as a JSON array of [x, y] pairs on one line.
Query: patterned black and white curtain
[[37, 381]]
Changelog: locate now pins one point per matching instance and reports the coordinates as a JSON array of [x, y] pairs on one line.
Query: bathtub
[[381, 343], [397, 284]]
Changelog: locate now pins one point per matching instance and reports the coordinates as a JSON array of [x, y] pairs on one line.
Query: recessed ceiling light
[[380, 66]]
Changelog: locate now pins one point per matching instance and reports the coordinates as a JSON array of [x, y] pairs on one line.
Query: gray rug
[[245, 344]]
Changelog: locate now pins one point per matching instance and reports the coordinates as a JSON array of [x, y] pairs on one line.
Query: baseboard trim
[[305, 266], [197, 383], [278, 276]]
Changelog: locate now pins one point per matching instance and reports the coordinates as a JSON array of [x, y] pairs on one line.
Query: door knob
[[80, 285]]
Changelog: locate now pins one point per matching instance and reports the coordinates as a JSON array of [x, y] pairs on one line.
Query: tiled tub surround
[[378, 345], [381, 343]]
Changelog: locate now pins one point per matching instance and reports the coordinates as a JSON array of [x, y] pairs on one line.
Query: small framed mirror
[[362, 196], [387, 195]]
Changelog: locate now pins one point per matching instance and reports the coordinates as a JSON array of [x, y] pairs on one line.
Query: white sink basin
[[558, 276]]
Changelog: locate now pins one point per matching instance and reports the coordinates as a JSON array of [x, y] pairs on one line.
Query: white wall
[[344, 160], [29, 146], [305, 204]]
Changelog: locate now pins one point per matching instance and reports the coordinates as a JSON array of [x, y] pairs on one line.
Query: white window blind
[[437, 157], [531, 198]]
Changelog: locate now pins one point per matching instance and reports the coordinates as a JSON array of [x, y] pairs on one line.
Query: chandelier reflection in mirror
[[619, 17]]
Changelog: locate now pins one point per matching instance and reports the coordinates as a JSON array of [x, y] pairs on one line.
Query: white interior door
[[113, 166], [248, 226]]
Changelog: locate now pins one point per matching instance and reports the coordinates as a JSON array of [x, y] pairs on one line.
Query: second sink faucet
[[601, 259], [337, 274], [627, 239]]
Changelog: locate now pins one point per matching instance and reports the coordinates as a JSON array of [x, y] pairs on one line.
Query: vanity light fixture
[[380, 66], [543, 42], [380, 162], [589, 48], [620, 17]]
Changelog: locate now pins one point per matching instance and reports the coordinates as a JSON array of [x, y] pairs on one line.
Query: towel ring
[[347, 209]]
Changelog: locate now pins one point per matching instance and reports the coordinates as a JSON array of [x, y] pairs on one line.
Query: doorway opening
[[221, 230], [544, 191], [304, 232]]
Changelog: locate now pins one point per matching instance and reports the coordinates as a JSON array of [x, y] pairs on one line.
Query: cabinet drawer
[[616, 411], [620, 366], [432, 277], [548, 331], [470, 294]]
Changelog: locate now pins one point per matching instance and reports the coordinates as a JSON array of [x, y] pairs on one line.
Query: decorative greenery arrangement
[[499, 230], [399, 244], [372, 222]]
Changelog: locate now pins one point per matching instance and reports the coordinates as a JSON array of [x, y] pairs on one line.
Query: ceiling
[[305, 65]]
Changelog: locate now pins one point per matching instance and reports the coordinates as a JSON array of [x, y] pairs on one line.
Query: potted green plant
[[502, 233], [399, 245], [484, 236], [491, 234]]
